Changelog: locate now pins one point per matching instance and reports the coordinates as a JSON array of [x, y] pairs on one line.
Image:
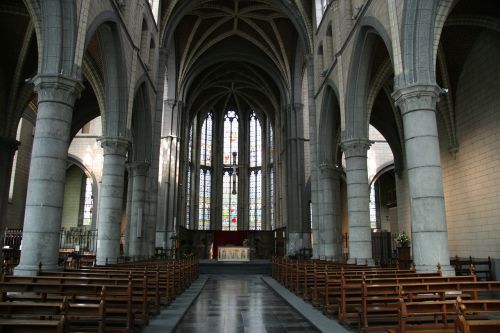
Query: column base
[[32, 270], [361, 261], [446, 270]]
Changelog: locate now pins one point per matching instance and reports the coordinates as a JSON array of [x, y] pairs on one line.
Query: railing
[[79, 239]]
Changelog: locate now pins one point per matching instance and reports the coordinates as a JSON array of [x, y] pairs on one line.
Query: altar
[[233, 253]]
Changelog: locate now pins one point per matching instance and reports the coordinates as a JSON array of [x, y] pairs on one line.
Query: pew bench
[[378, 308], [9, 325], [425, 317], [120, 306], [77, 317], [467, 321]]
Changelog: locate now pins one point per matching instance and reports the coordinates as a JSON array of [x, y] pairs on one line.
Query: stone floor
[[239, 303]]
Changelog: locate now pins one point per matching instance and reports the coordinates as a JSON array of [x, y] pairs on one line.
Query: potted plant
[[403, 242]]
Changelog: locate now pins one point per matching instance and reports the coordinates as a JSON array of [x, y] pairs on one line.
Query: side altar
[[233, 253]]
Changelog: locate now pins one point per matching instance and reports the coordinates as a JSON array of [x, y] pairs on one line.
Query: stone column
[[315, 184], [150, 223], [111, 199], [42, 220], [358, 200], [428, 217], [330, 229], [128, 213], [169, 152], [138, 214], [294, 176], [8, 148]]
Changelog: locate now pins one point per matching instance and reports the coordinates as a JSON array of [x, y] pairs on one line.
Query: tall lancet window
[[255, 178], [272, 201], [229, 176], [189, 189], [205, 174]]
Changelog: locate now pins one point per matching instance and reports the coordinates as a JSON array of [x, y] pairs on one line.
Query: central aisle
[[240, 303]]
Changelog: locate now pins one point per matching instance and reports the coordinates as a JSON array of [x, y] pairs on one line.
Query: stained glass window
[[188, 199], [206, 141], [205, 196], [272, 177], [373, 208], [255, 200], [230, 137], [189, 190], [190, 151], [205, 173], [271, 144], [229, 202], [230, 180], [271, 197], [88, 204], [255, 141]]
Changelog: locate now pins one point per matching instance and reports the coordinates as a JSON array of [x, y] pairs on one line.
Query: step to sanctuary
[[259, 266]]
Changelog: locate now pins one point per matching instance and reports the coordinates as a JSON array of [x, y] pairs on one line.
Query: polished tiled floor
[[239, 303]]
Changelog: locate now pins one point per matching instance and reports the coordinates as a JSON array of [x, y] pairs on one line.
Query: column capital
[[295, 106], [164, 52], [329, 167], [309, 58], [57, 88], [355, 147], [416, 97], [114, 145], [171, 102], [8, 144], [139, 168]]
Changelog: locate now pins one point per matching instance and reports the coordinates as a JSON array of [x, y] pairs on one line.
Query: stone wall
[[471, 181]]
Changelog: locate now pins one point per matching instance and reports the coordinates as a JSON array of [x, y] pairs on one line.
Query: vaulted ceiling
[[238, 53]]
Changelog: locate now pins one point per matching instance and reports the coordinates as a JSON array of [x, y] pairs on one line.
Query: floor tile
[[239, 303]]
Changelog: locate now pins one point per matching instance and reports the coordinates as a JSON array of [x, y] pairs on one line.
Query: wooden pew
[[118, 300], [379, 300], [344, 293], [425, 317], [467, 266], [144, 298], [75, 316], [381, 306], [467, 321], [448, 316], [32, 325]]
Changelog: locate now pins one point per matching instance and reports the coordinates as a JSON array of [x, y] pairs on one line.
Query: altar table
[[234, 253]]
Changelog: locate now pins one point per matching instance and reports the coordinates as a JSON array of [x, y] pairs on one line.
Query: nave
[[241, 303]]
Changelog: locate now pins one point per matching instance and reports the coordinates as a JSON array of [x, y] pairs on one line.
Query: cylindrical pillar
[[358, 200], [138, 214], [294, 151], [111, 200], [428, 216], [42, 221], [330, 235]]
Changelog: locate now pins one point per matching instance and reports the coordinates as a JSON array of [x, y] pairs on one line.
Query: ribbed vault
[[236, 52]]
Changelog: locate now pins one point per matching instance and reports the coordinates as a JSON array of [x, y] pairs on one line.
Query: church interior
[[226, 148]]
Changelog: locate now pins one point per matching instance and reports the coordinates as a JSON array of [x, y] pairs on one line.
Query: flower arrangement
[[402, 239]]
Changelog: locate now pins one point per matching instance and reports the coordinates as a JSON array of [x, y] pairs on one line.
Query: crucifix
[[234, 172]]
